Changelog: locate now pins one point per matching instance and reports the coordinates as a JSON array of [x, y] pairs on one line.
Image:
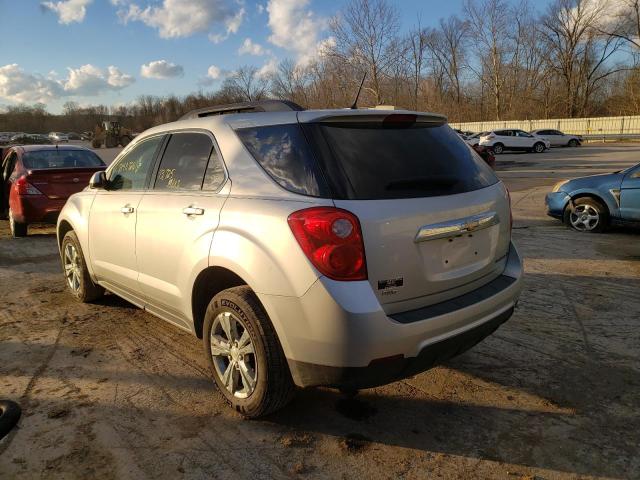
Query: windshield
[[61, 158]]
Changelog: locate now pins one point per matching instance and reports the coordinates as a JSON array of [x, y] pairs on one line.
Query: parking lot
[[109, 391]]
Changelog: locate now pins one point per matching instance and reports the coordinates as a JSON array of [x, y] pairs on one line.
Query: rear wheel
[[573, 142], [18, 229], [244, 353], [498, 148], [538, 147], [586, 215], [75, 270]]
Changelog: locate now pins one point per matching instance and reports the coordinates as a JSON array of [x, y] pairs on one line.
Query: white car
[[58, 137], [514, 139], [559, 139], [474, 138]]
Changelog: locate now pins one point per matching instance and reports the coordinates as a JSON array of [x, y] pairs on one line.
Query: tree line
[[495, 60]]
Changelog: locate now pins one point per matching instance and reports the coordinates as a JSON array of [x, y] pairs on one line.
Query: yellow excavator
[[111, 134]]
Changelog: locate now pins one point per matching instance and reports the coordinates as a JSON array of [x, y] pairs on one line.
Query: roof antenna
[[355, 102]]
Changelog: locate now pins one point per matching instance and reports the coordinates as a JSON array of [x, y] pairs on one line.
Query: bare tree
[[366, 37], [246, 83]]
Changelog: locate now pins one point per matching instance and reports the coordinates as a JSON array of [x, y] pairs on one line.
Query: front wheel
[[244, 353], [18, 229], [586, 215], [498, 148], [539, 147], [75, 270]]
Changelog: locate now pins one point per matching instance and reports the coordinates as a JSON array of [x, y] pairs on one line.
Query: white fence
[[578, 126]]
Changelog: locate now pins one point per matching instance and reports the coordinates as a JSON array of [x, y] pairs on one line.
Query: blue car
[[590, 204]]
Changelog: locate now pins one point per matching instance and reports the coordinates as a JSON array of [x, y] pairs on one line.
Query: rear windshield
[[61, 159], [357, 161]]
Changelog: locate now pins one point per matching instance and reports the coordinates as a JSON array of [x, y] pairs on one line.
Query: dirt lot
[[111, 392]]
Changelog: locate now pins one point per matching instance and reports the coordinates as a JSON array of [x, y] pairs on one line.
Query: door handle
[[193, 211], [126, 209]]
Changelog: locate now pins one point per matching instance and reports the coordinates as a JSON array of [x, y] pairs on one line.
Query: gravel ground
[[109, 391]]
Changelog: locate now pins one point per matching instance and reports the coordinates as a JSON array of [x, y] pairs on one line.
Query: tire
[[9, 415], [110, 142], [268, 386], [572, 143], [574, 215], [18, 229], [77, 275], [498, 148], [538, 147], [124, 141]]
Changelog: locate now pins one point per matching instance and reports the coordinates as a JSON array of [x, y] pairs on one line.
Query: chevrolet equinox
[[341, 248]]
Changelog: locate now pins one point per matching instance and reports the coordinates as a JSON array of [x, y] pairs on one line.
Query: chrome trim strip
[[456, 227]]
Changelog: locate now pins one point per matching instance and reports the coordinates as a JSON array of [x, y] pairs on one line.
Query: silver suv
[[343, 248]]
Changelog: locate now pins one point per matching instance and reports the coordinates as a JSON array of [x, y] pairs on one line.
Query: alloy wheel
[[72, 269], [584, 217], [233, 355]]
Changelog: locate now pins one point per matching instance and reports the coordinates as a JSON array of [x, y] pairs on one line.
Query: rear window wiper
[[421, 183]]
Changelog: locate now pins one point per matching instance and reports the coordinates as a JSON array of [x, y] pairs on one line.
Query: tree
[[366, 39], [246, 83]]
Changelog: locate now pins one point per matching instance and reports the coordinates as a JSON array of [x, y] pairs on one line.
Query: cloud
[[19, 86], [68, 11], [89, 80], [268, 68], [161, 69], [182, 18], [250, 48], [232, 26], [295, 28], [214, 73]]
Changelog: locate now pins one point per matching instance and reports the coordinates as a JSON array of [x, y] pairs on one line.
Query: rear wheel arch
[[208, 283], [63, 229]]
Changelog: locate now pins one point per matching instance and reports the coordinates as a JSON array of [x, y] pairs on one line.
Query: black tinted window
[[184, 162], [375, 162], [284, 153], [60, 158], [132, 170]]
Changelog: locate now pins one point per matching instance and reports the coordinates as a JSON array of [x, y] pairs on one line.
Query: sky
[[112, 51]]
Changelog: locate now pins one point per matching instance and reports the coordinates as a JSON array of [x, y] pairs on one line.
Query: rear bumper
[[556, 202], [337, 334], [388, 370], [36, 209]]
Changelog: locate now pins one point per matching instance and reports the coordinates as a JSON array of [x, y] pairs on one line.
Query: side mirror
[[98, 180]]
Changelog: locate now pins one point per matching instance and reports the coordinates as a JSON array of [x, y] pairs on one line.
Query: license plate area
[[460, 255]]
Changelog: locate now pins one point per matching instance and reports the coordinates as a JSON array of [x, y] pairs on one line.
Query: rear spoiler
[[383, 117]]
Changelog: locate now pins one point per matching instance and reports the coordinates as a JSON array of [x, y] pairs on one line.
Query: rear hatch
[[435, 218], [59, 173]]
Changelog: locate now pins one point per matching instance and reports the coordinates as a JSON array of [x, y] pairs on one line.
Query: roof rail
[[244, 107]]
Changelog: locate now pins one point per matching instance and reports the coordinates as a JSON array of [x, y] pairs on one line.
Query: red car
[[36, 181], [487, 155]]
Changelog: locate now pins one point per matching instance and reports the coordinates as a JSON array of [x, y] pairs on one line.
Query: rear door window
[[184, 162]]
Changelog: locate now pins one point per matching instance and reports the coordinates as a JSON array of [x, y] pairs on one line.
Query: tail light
[[331, 239], [25, 188]]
